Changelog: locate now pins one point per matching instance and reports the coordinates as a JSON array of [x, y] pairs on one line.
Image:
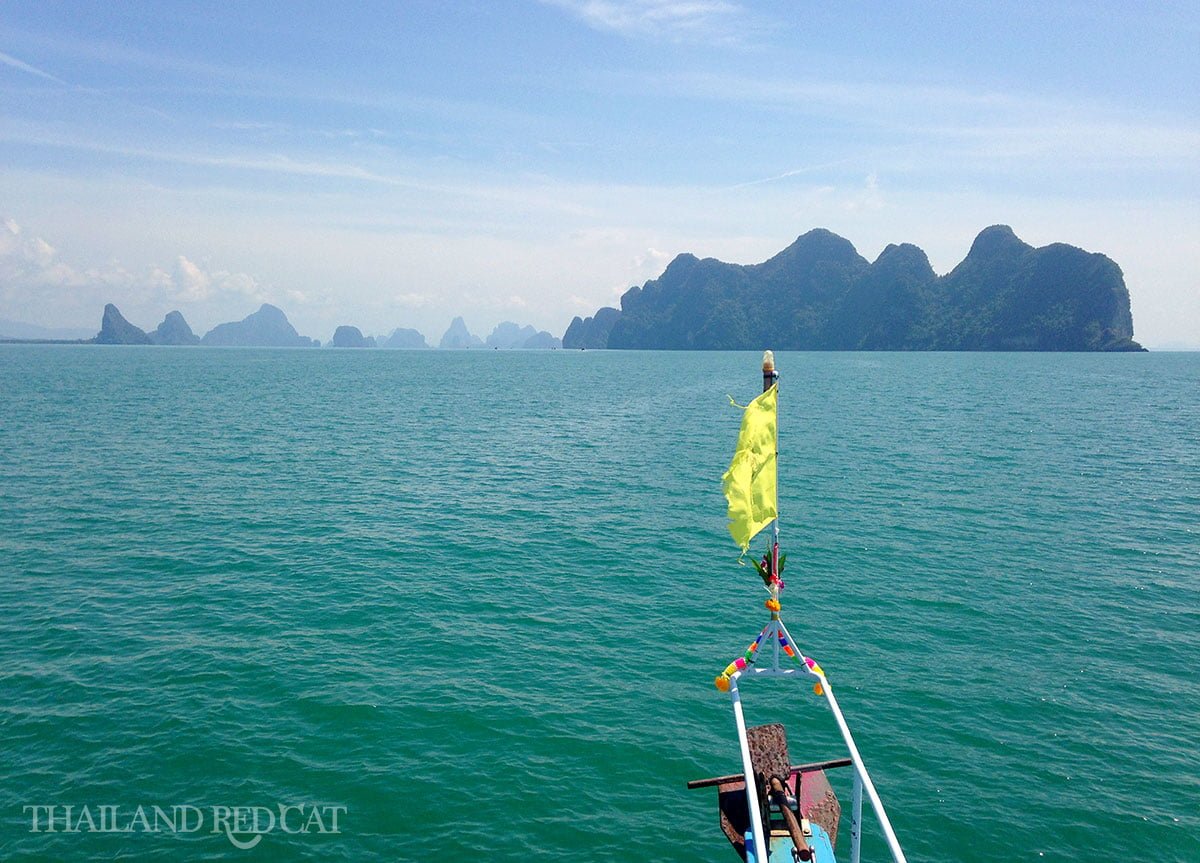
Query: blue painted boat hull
[[781, 847]]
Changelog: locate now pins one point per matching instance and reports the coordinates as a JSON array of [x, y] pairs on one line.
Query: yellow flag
[[750, 481]]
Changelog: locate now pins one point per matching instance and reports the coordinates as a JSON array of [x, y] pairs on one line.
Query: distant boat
[[774, 810]]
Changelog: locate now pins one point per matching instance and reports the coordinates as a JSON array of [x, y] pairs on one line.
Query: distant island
[[351, 337], [820, 294], [506, 335], [404, 340], [269, 327]]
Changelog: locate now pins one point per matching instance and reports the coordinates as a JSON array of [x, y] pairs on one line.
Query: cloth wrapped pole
[[750, 482]]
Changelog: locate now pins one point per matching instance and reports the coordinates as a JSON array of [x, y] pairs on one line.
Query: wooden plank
[[799, 768]]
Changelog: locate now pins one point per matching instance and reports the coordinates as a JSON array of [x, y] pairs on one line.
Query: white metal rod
[[856, 821], [761, 849], [861, 770]]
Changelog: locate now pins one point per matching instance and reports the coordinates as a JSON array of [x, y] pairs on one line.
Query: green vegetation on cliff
[[820, 294]]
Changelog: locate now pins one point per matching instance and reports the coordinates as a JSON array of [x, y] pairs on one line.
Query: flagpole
[[770, 379], [770, 376]]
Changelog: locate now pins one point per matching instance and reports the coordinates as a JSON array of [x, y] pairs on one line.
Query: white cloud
[[679, 20], [9, 60], [160, 280], [42, 252], [867, 198], [242, 284], [31, 261], [413, 301], [795, 172], [270, 163], [192, 283], [651, 261]]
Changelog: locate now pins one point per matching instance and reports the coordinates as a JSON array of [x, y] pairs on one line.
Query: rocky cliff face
[[115, 330], [1007, 295], [174, 330], [591, 332], [351, 337], [820, 294], [458, 337], [541, 340], [404, 339]]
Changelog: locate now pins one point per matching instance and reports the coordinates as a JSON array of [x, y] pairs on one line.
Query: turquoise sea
[[472, 603]]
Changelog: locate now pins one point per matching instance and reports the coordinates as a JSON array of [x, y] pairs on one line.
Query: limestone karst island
[[820, 294]]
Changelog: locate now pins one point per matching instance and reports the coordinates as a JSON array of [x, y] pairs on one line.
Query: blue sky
[[396, 164]]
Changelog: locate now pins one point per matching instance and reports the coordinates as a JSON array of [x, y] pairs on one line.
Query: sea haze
[[479, 598]]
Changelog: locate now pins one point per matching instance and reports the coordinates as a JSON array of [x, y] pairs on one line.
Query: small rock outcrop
[[174, 330], [459, 337], [508, 335], [115, 330], [542, 341], [351, 337], [403, 340]]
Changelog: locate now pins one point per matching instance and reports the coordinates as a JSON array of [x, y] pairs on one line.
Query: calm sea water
[[478, 599]]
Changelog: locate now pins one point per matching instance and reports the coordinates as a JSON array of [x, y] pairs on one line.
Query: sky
[[397, 164]]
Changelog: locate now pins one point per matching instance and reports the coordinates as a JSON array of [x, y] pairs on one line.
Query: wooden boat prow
[[807, 785]]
